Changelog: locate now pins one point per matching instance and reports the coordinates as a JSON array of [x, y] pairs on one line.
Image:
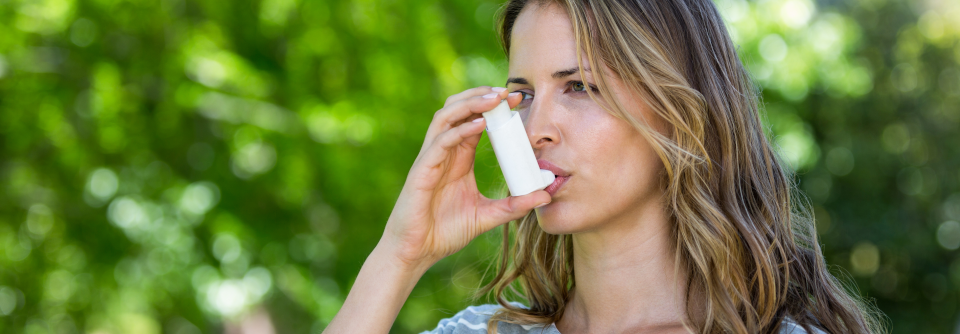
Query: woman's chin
[[552, 220]]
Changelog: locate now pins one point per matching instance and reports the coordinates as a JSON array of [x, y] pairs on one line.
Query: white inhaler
[[513, 151]]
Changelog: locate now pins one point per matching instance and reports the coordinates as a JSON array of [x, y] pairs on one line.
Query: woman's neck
[[625, 278]]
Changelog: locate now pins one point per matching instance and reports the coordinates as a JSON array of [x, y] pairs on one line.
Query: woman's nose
[[541, 123]]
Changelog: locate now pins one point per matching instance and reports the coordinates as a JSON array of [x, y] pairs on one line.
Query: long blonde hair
[[743, 234]]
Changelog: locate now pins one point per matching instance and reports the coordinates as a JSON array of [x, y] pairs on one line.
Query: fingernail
[[514, 94], [478, 120], [491, 95], [540, 205], [498, 89]]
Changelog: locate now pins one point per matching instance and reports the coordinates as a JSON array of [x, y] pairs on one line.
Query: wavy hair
[[743, 233]]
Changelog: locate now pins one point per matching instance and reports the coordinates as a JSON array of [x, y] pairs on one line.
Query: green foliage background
[[173, 166]]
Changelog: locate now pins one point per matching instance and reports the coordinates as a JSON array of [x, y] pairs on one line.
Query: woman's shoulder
[[473, 320], [788, 326]]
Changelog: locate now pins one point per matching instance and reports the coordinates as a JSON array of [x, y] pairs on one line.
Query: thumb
[[497, 212]]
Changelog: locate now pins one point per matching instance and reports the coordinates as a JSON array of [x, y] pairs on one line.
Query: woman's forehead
[[542, 41]]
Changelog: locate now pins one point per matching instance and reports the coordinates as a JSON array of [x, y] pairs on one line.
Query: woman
[[674, 214]]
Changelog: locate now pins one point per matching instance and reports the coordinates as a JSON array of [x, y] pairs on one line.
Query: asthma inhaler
[[513, 151]]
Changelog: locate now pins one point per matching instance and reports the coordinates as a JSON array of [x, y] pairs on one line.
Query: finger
[[440, 149], [513, 99], [482, 90], [493, 213], [456, 113], [436, 127], [473, 140], [461, 109]]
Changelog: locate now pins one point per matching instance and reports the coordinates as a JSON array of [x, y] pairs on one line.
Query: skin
[[623, 255]]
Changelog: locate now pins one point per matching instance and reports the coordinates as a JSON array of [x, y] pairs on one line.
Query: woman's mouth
[[557, 183], [561, 175]]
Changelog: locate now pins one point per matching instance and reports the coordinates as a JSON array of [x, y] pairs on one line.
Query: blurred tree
[[176, 166]]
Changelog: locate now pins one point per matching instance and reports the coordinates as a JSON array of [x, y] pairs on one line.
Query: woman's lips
[[557, 183], [561, 175]]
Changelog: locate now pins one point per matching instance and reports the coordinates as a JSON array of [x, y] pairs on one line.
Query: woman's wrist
[[380, 290], [388, 254]]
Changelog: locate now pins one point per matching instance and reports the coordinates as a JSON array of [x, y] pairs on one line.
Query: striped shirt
[[473, 320]]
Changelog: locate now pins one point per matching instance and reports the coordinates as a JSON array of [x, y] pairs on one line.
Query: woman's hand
[[440, 210]]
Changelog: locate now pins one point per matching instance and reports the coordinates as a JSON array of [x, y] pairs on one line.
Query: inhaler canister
[[513, 151]]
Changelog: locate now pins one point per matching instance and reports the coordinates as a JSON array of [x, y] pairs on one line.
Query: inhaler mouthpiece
[[513, 151]]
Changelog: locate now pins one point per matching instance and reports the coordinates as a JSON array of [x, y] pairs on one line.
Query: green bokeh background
[[175, 166]]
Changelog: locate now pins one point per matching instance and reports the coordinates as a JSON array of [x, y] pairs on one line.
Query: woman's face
[[613, 169]]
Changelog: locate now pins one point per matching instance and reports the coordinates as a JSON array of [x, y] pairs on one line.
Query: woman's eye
[[579, 87], [525, 95]]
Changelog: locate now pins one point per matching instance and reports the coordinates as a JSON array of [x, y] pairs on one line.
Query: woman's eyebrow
[[521, 81], [556, 75], [564, 73]]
